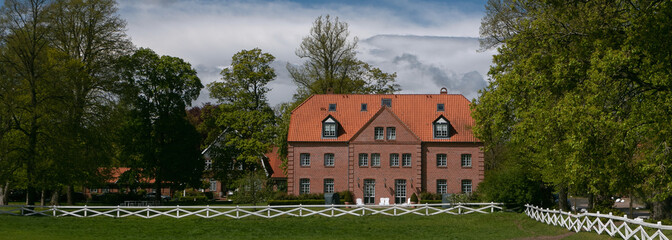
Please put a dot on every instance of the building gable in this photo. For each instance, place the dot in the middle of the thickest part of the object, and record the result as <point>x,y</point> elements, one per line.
<point>385,119</point>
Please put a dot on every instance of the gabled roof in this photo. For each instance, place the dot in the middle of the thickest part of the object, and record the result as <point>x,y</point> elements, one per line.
<point>416,111</point>
<point>274,163</point>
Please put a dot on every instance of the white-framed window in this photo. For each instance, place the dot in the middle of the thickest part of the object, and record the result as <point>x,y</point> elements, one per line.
<point>304,186</point>
<point>441,186</point>
<point>441,160</point>
<point>386,102</point>
<point>375,159</point>
<point>106,190</point>
<point>305,159</point>
<point>363,160</point>
<point>391,133</point>
<point>378,133</point>
<point>94,190</point>
<point>329,128</point>
<point>466,186</point>
<point>328,185</point>
<point>400,191</point>
<point>441,128</point>
<point>328,159</point>
<point>394,160</point>
<point>208,164</point>
<point>466,160</point>
<point>406,160</point>
<point>213,185</point>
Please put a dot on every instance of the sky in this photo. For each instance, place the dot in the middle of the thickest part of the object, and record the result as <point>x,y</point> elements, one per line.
<point>429,44</point>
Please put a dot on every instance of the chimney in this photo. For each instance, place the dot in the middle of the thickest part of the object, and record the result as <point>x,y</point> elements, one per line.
<point>444,90</point>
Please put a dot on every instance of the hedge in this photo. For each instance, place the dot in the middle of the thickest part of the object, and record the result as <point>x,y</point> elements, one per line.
<point>296,202</point>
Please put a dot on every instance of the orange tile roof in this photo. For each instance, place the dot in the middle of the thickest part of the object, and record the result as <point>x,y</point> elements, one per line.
<point>417,111</point>
<point>275,161</point>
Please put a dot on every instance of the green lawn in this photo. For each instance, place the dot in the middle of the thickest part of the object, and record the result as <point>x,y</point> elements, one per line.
<point>472,226</point>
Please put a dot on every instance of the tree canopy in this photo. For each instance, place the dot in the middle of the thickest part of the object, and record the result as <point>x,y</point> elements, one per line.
<point>574,85</point>
<point>246,122</point>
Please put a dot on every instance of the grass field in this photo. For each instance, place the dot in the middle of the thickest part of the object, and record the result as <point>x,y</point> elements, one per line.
<point>472,226</point>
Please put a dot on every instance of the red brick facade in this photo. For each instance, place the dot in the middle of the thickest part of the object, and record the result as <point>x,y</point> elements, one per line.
<point>354,144</point>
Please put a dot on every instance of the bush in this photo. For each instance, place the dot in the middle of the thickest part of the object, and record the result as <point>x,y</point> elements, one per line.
<point>346,196</point>
<point>296,202</point>
<point>414,198</point>
<point>430,201</point>
<point>430,196</point>
<point>285,196</point>
<point>201,198</point>
<point>515,187</point>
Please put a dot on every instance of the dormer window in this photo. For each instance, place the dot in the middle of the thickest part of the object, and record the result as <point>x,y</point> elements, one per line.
<point>332,107</point>
<point>386,102</point>
<point>329,127</point>
<point>441,128</point>
<point>440,107</point>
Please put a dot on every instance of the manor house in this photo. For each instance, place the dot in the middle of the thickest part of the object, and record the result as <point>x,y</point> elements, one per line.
<point>383,148</point>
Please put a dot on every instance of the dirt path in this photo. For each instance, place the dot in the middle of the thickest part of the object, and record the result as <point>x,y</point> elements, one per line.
<point>556,237</point>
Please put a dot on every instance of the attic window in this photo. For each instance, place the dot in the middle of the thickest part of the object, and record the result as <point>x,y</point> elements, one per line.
<point>386,102</point>
<point>329,128</point>
<point>441,128</point>
<point>332,107</point>
<point>440,107</point>
<point>364,107</point>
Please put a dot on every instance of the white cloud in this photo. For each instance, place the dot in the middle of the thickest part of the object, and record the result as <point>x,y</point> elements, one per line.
<point>208,33</point>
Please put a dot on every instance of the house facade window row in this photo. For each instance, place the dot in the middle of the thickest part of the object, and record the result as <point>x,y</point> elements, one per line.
<point>442,160</point>
<point>379,133</point>
<point>363,160</point>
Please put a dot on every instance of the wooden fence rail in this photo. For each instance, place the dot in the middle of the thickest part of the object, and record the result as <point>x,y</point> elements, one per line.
<point>238,212</point>
<point>615,226</point>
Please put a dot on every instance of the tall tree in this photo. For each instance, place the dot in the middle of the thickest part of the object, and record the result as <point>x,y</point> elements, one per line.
<point>28,63</point>
<point>332,64</point>
<point>573,77</point>
<point>92,35</point>
<point>157,138</point>
<point>243,114</point>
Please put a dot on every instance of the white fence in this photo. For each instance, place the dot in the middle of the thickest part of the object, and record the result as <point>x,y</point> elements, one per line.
<point>615,226</point>
<point>238,212</point>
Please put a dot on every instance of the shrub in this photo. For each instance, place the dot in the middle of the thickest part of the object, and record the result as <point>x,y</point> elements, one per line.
<point>430,201</point>
<point>296,202</point>
<point>414,198</point>
<point>346,196</point>
<point>515,187</point>
<point>430,196</point>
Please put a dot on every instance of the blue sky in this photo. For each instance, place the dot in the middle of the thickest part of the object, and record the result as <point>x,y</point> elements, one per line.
<point>429,44</point>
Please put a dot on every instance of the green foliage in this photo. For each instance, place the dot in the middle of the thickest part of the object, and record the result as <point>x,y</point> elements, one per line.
<point>430,196</point>
<point>414,198</point>
<point>515,187</point>
<point>245,123</point>
<point>332,64</point>
<point>156,137</point>
<point>579,94</point>
<point>296,202</point>
<point>346,196</point>
<point>252,188</point>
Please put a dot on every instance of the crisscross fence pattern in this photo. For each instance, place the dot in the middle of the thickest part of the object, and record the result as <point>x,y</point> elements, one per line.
<point>614,226</point>
<point>238,212</point>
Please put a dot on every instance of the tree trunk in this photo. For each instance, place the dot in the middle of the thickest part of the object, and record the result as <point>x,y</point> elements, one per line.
<point>661,210</point>
<point>54,197</point>
<point>68,193</point>
<point>30,196</point>
<point>42,197</point>
<point>591,202</point>
<point>562,198</point>
<point>4,193</point>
